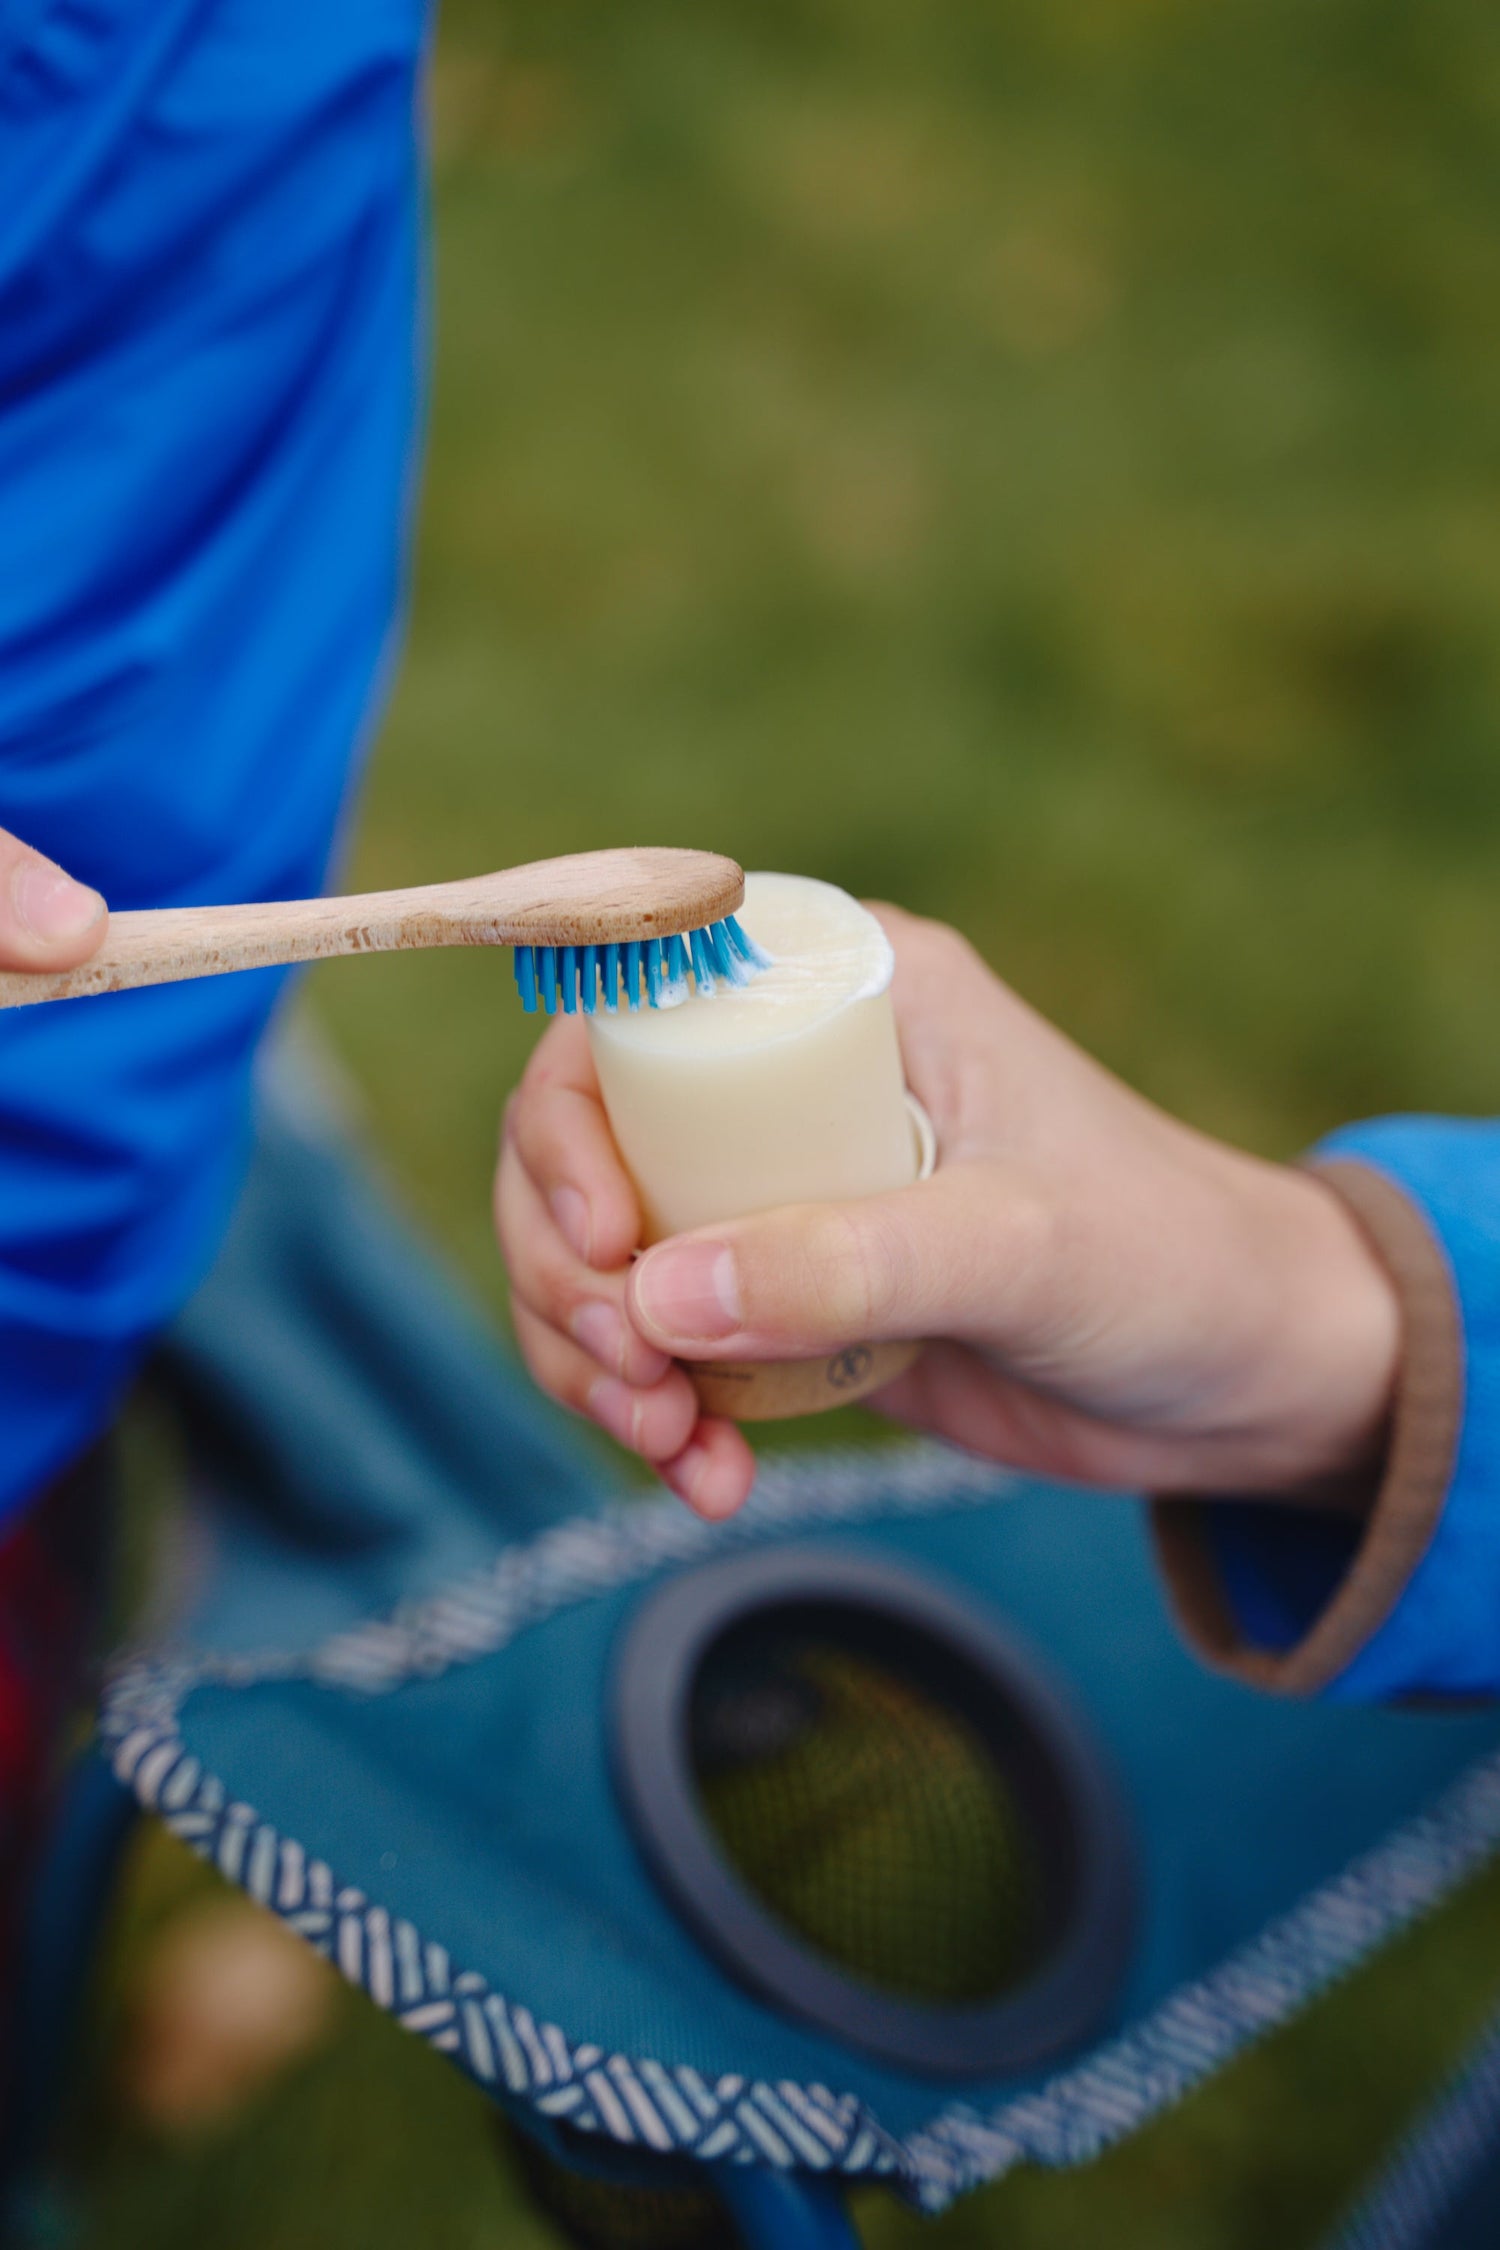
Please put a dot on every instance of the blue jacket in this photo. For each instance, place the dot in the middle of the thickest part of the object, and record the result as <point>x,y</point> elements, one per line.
<point>208,391</point>
<point>1405,1601</point>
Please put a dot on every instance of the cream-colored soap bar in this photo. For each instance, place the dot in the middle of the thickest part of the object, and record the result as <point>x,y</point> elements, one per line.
<point>788,1089</point>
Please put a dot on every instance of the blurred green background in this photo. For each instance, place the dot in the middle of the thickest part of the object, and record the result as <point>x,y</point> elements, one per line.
<point>1035,462</point>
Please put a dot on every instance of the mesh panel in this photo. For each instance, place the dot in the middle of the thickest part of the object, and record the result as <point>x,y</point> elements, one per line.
<point>598,2215</point>
<point>867,1816</point>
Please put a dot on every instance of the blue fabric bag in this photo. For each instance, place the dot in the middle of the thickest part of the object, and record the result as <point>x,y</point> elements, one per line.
<point>386,1716</point>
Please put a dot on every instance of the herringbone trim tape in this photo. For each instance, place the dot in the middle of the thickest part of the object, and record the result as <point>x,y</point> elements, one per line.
<point>648,2102</point>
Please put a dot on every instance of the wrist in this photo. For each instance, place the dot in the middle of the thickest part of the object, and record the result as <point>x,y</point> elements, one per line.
<point>1331,1315</point>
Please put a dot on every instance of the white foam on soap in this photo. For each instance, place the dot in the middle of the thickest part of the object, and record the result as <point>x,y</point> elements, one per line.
<point>826,950</point>
<point>786,1089</point>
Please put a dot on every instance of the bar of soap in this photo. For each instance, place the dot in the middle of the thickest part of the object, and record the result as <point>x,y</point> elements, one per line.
<point>788,1089</point>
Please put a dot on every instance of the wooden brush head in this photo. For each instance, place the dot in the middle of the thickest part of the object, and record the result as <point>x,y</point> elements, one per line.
<point>612,897</point>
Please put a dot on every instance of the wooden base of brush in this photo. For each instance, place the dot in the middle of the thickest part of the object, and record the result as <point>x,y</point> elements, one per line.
<point>777,1390</point>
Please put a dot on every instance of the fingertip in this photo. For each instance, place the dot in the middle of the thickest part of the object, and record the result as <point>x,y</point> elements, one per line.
<point>615,1223</point>
<point>655,1421</point>
<point>616,1408</point>
<point>599,1223</point>
<point>47,920</point>
<point>715,1473</point>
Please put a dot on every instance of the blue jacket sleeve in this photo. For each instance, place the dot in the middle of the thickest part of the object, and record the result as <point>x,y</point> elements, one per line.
<point>208,388</point>
<point>1408,1602</point>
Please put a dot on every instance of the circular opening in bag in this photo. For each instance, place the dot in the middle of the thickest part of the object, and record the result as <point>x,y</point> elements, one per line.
<point>874,1809</point>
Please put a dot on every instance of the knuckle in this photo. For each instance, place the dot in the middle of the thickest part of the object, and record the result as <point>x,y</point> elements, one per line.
<point>558,1051</point>
<point>544,1283</point>
<point>850,1263</point>
<point>1025,1256</point>
<point>551,1132</point>
<point>515,1230</point>
<point>545,1070</point>
<point>933,961</point>
<point>949,950</point>
<point>550,1361</point>
<point>518,1137</point>
<point>541,1277</point>
<point>508,1171</point>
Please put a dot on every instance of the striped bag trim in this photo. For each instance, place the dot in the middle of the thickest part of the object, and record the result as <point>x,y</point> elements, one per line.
<point>645,2103</point>
<point>625,1542</point>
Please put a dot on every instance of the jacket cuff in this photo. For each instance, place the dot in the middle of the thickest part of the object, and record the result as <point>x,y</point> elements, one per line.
<point>1288,1598</point>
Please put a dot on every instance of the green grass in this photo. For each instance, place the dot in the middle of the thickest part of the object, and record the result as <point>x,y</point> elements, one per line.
<point>1035,462</point>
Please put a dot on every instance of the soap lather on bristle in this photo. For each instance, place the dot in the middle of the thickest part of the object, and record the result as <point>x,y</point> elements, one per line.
<point>650,972</point>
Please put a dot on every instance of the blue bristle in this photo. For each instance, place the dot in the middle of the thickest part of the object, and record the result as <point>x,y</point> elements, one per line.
<point>753,955</point>
<point>652,972</point>
<point>731,961</point>
<point>725,964</point>
<point>674,971</point>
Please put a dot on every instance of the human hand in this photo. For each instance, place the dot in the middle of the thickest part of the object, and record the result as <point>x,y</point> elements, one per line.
<point>47,921</point>
<point>1105,1294</point>
<point>569,1224</point>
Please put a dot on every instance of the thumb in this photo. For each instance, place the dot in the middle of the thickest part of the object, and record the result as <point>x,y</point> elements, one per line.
<point>47,921</point>
<point>939,1259</point>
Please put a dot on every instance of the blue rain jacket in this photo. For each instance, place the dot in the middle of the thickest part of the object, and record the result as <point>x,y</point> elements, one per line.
<point>208,390</point>
<point>1435,1630</point>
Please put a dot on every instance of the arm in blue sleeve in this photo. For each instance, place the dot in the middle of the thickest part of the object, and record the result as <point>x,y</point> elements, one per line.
<point>1406,1601</point>
<point>208,393</point>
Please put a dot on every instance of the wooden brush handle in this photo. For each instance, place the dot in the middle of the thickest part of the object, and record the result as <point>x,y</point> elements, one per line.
<point>588,898</point>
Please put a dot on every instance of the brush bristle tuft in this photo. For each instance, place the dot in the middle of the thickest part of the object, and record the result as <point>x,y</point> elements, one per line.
<point>648,972</point>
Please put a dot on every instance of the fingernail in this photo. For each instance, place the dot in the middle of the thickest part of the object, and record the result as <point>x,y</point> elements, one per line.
<point>690,1291</point>
<point>615,1407</point>
<point>50,904</point>
<point>571,1211</point>
<point>601,1331</point>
